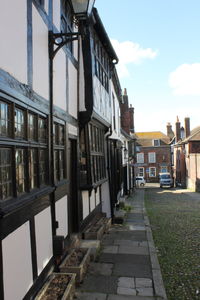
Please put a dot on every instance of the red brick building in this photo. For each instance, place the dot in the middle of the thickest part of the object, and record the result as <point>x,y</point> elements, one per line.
<point>187,157</point>
<point>153,155</point>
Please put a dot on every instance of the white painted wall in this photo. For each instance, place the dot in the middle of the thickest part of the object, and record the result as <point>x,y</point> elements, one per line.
<point>59,80</point>
<point>92,201</point>
<point>98,196</point>
<point>62,216</point>
<point>17,264</point>
<point>40,56</point>
<point>72,90</point>
<point>56,13</point>
<point>85,201</point>
<point>105,199</point>
<point>13,37</point>
<point>72,130</point>
<point>43,234</point>
<point>46,6</point>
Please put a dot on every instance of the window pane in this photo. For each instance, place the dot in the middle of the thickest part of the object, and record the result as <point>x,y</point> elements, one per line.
<point>19,123</point>
<point>32,126</point>
<point>56,165</point>
<point>42,130</point>
<point>43,166</point>
<point>20,170</point>
<point>5,173</point>
<point>4,119</point>
<point>61,162</point>
<point>61,135</point>
<point>32,168</point>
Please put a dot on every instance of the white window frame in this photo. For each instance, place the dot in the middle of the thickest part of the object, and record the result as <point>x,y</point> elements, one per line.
<point>156,140</point>
<point>161,169</point>
<point>139,171</point>
<point>151,157</point>
<point>140,158</point>
<point>150,173</point>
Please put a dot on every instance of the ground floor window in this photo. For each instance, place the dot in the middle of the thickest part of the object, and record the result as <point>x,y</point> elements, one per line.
<point>152,172</point>
<point>141,172</point>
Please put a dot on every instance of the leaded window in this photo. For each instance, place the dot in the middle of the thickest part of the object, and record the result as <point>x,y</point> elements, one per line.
<point>19,123</point>
<point>101,63</point>
<point>5,119</point>
<point>42,130</point>
<point>33,168</point>
<point>43,160</point>
<point>32,126</point>
<point>20,171</point>
<point>5,173</point>
<point>59,158</point>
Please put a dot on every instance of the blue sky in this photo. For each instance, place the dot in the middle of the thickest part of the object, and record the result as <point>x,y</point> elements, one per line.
<point>158,44</point>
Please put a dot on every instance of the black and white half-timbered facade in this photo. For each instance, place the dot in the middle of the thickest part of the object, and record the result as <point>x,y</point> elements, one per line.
<point>38,142</point>
<point>60,139</point>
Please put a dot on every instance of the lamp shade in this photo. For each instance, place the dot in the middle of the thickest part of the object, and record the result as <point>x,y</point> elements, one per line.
<point>82,8</point>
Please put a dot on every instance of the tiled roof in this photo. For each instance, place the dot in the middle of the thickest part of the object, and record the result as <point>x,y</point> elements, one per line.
<point>194,136</point>
<point>145,139</point>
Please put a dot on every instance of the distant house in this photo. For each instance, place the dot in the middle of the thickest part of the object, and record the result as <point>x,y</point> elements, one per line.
<point>187,156</point>
<point>153,155</point>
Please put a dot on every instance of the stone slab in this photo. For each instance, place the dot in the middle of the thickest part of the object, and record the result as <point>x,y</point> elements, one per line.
<point>132,270</point>
<point>110,249</point>
<point>145,291</point>
<point>127,282</point>
<point>125,258</point>
<point>126,235</point>
<point>133,250</point>
<point>99,284</point>
<point>125,297</point>
<point>143,282</point>
<point>126,291</point>
<point>90,296</point>
<point>100,269</point>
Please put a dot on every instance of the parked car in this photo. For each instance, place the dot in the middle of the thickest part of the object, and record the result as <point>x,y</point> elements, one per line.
<point>166,180</point>
<point>140,181</point>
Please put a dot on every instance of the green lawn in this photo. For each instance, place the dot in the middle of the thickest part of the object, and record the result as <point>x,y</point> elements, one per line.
<point>175,221</point>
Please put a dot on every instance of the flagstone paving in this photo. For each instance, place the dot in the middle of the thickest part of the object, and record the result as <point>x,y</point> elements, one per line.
<point>127,263</point>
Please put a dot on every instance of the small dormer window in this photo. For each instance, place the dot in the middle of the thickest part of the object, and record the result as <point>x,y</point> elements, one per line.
<point>156,143</point>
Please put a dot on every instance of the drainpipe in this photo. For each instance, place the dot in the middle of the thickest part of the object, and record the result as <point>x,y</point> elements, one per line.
<point>107,135</point>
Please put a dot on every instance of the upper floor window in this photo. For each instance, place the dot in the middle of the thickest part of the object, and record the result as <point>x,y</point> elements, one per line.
<point>59,157</point>
<point>19,123</point>
<point>140,158</point>
<point>156,143</point>
<point>5,173</point>
<point>152,157</point>
<point>24,165</point>
<point>67,22</point>
<point>101,63</point>
<point>5,116</point>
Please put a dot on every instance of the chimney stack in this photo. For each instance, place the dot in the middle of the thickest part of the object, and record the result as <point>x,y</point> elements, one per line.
<point>170,132</point>
<point>178,130</point>
<point>131,113</point>
<point>187,127</point>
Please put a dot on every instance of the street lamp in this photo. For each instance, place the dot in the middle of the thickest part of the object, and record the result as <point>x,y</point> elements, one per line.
<point>82,8</point>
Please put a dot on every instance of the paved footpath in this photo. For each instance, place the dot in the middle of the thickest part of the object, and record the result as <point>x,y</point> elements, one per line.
<point>127,267</point>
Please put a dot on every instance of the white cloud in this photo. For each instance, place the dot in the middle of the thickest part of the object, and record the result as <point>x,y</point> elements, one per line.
<point>131,53</point>
<point>185,80</point>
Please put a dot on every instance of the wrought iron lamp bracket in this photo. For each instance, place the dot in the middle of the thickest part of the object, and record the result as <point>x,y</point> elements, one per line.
<point>58,40</point>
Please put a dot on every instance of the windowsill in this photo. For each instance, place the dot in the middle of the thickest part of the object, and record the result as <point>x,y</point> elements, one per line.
<point>89,187</point>
<point>10,205</point>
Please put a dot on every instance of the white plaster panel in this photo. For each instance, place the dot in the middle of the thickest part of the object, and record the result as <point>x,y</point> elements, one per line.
<point>17,264</point>
<point>56,13</point>
<point>81,82</point>
<point>92,201</point>
<point>43,234</point>
<point>46,6</point>
<point>40,56</point>
<point>85,199</point>
<point>72,90</point>
<point>13,37</point>
<point>59,80</point>
<point>72,129</point>
<point>98,196</point>
<point>62,216</point>
<point>105,199</point>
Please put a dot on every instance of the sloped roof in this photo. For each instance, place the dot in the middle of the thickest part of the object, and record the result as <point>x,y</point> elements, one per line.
<point>194,136</point>
<point>145,138</point>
